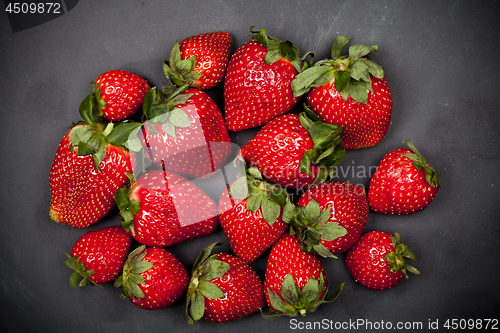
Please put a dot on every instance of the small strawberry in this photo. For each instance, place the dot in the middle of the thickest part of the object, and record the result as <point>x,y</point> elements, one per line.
<point>90,164</point>
<point>331,217</point>
<point>250,214</point>
<point>295,281</point>
<point>350,91</point>
<point>377,260</point>
<point>403,183</point>
<point>257,82</point>
<point>295,151</point>
<point>199,61</point>
<point>118,94</point>
<point>163,208</point>
<point>98,256</point>
<point>223,288</point>
<point>185,132</point>
<point>152,278</point>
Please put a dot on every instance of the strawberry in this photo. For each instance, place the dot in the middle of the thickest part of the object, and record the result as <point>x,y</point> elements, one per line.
<point>222,288</point>
<point>377,260</point>
<point>331,217</point>
<point>163,208</point>
<point>257,83</point>
<point>295,151</point>
<point>91,163</point>
<point>199,61</point>
<point>152,278</point>
<point>295,281</point>
<point>98,256</point>
<point>403,183</point>
<point>185,132</point>
<point>118,94</point>
<point>350,91</point>
<point>250,214</point>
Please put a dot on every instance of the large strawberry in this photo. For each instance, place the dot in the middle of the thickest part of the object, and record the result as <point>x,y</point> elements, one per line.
<point>377,260</point>
<point>163,208</point>
<point>250,214</point>
<point>257,82</point>
<point>152,278</point>
<point>199,60</point>
<point>223,288</point>
<point>331,217</point>
<point>98,256</point>
<point>350,91</point>
<point>403,183</point>
<point>118,94</point>
<point>295,281</point>
<point>90,164</point>
<point>185,132</point>
<point>295,151</point>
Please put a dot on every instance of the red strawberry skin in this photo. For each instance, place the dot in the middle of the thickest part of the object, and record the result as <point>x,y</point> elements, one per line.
<point>365,125</point>
<point>243,290</point>
<point>287,257</point>
<point>248,233</point>
<point>172,209</point>
<point>255,92</point>
<point>397,187</point>
<point>198,150</point>
<point>365,261</point>
<point>103,251</point>
<point>123,93</point>
<point>277,149</point>
<point>164,283</point>
<point>212,55</point>
<point>80,194</point>
<point>349,208</point>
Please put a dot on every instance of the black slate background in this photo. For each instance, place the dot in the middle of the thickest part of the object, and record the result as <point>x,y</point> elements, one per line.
<point>441,61</point>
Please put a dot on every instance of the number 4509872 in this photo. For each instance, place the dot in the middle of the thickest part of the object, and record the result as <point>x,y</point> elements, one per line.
<point>32,8</point>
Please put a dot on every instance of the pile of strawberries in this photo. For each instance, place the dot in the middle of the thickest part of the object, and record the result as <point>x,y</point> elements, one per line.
<point>139,148</point>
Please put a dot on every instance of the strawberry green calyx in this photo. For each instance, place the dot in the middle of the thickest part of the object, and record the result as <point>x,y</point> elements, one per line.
<point>278,49</point>
<point>207,267</point>
<point>294,301</point>
<point>310,225</point>
<point>431,176</point>
<point>131,277</point>
<point>351,72</point>
<point>127,206</point>
<point>178,71</point>
<point>79,272</point>
<point>328,150</point>
<point>259,193</point>
<point>396,259</point>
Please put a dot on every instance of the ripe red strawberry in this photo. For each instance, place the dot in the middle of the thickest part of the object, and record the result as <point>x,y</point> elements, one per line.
<point>295,151</point>
<point>199,61</point>
<point>403,183</point>
<point>350,91</point>
<point>333,217</point>
<point>162,208</point>
<point>98,256</point>
<point>152,278</point>
<point>118,94</point>
<point>250,215</point>
<point>90,164</point>
<point>257,83</point>
<point>295,281</point>
<point>185,132</point>
<point>223,288</point>
<point>377,260</point>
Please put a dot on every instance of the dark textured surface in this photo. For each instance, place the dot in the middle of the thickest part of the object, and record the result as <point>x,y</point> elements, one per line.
<point>440,58</point>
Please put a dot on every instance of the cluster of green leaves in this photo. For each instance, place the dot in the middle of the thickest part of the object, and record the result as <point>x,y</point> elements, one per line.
<point>131,278</point>
<point>127,206</point>
<point>431,175</point>
<point>396,260</point>
<point>351,72</point>
<point>178,71</point>
<point>206,268</point>
<point>79,272</point>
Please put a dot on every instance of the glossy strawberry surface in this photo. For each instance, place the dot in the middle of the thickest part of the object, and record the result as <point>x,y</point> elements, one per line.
<point>80,194</point>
